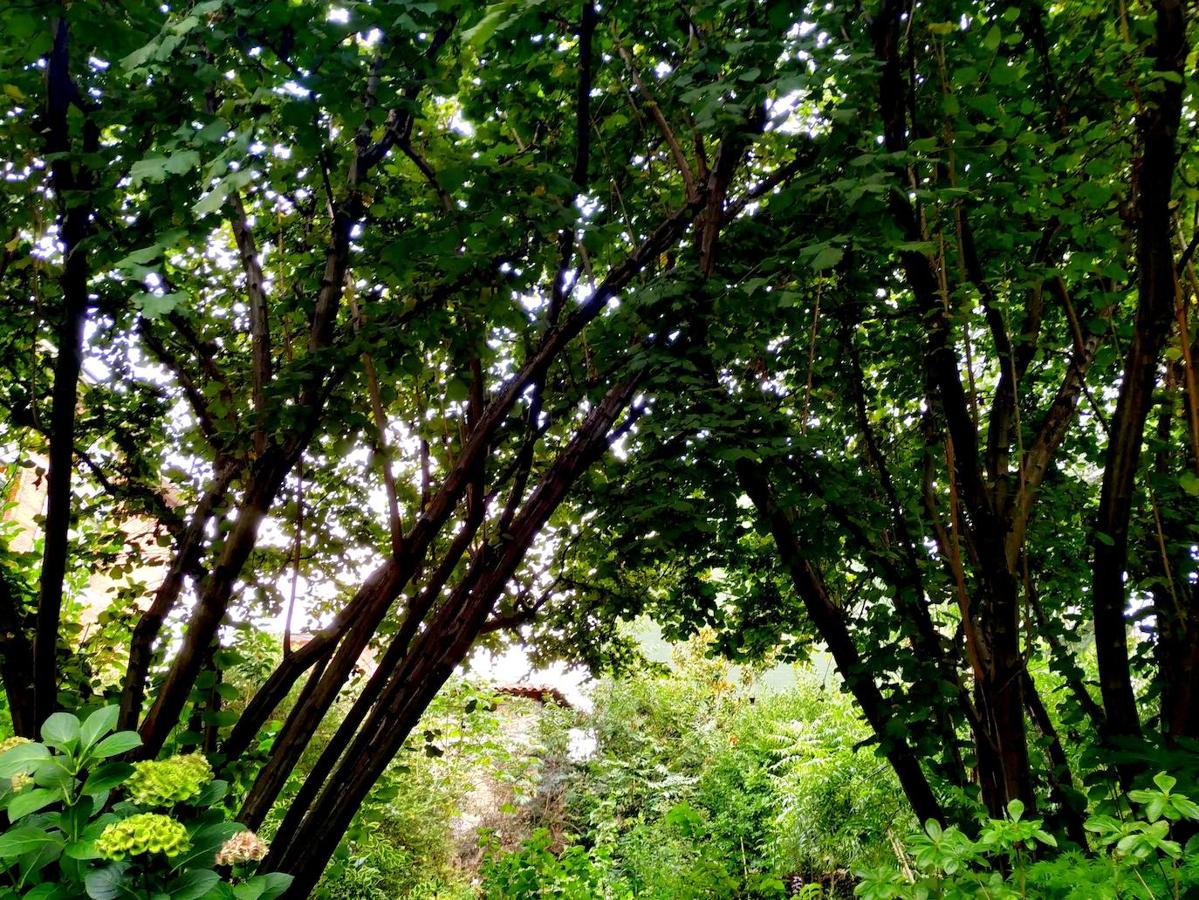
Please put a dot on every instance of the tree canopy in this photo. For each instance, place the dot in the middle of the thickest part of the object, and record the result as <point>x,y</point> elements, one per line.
<point>866,327</point>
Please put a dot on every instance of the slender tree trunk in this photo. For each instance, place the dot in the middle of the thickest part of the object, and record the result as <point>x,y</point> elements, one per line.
<point>188,552</point>
<point>1068,815</point>
<point>438,651</point>
<point>832,628</point>
<point>75,226</point>
<point>16,660</point>
<point>291,743</point>
<point>1155,312</point>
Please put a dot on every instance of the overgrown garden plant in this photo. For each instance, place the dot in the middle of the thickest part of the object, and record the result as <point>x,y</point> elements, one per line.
<point>86,824</point>
<point>946,425</point>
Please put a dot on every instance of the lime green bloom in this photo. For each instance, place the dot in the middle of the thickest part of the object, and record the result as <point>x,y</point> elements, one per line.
<point>168,781</point>
<point>140,834</point>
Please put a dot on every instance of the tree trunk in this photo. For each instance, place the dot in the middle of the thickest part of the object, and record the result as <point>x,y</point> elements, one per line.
<point>75,226</point>
<point>831,626</point>
<point>1155,312</point>
<point>437,652</point>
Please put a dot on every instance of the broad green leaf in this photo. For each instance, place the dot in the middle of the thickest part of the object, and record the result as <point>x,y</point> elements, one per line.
<point>81,850</point>
<point>25,839</point>
<point>117,744</point>
<point>194,884</point>
<point>98,724</point>
<point>106,777</point>
<point>31,801</point>
<point>106,883</point>
<point>61,730</point>
<point>54,773</point>
<point>827,258</point>
<point>21,759</point>
<point>263,887</point>
<point>482,32</point>
<point>155,306</point>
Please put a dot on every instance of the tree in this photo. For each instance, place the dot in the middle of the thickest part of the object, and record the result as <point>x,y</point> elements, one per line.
<point>929,375</point>
<point>347,282</point>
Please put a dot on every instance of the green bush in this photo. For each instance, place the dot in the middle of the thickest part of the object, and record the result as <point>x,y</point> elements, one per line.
<point>779,783</point>
<point>535,872</point>
<point>71,837</point>
<point>1131,856</point>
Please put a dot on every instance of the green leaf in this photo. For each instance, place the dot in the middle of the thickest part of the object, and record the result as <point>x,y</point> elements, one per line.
<point>61,730</point>
<point>153,168</point>
<point>106,883</point>
<point>827,258</point>
<point>211,794</point>
<point>117,744</point>
<point>22,759</point>
<point>1186,807</point>
<point>992,38</point>
<point>263,887</point>
<point>205,843</point>
<point>155,306</point>
<point>25,839</point>
<point>106,777</point>
<point>81,850</point>
<point>139,257</point>
<point>97,724</point>
<point>482,31</point>
<point>54,773</point>
<point>1003,74</point>
<point>1165,783</point>
<point>31,801</point>
<point>1190,483</point>
<point>194,884</point>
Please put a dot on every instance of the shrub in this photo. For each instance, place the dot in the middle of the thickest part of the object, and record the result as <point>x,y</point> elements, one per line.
<point>161,840</point>
<point>1133,856</point>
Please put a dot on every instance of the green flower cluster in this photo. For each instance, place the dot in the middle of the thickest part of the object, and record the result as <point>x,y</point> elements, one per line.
<point>168,781</point>
<point>142,833</point>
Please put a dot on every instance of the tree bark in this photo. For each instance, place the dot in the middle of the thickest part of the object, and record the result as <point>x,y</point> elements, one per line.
<point>188,552</point>
<point>16,659</point>
<point>1155,310</point>
<point>75,227</point>
<point>440,648</point>
<point>830,624</point>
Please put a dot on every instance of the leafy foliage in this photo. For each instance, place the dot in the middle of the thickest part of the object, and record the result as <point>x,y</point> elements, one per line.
<point>1130,856</point>
<point>68,839</point>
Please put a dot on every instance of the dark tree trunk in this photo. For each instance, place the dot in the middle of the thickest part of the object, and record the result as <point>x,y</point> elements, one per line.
<point>1069,813</point>
<point>75,226</point>
<point>185,562</point>
<point>833,630</point>
<point>1155,310</point>
<point>16,659</point>
<point>434,656</point>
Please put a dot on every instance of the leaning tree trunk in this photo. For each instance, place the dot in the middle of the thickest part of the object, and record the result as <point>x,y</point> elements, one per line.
<point>305,851</point>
